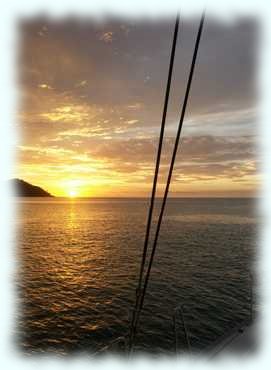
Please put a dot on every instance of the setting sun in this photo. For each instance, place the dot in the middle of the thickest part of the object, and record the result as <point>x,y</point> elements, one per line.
<point>73,193</point>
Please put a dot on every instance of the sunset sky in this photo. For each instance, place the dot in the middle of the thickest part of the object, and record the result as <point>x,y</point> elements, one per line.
<point>92,98</point>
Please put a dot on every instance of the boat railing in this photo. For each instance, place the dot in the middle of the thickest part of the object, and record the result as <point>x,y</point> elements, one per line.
<point>120,344</point>
<point>179,312</point>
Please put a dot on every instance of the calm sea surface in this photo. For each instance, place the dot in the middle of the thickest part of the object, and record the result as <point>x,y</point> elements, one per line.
<point>79,262</point>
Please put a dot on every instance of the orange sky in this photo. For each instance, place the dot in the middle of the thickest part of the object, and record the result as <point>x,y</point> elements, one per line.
<point>91,103</point>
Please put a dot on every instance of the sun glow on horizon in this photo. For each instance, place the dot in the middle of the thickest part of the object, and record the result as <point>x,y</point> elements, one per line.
<point>73,193</point>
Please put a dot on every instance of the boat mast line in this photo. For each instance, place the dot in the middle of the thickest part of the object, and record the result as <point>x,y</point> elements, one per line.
<point>142,296</point>
<point>157,166</point>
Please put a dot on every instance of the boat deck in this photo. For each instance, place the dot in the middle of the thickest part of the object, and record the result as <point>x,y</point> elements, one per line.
<point>241,341</point>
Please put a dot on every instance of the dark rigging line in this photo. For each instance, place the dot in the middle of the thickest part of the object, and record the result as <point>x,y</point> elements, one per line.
<point>170,169</point>
<point>158,157</point>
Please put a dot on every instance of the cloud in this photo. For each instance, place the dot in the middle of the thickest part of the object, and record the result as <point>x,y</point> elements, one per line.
<point>135,106</point>
<point>202,160</point>
<point>132,121</point>
<point>83,132</point>
<point>85,105</point>
<point>45,86</point>
<point>81,83</point>
<point>107,37</point>
<point>67,113</point>
<point>200,149</point>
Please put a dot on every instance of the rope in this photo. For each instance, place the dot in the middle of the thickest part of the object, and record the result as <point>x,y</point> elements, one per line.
<point>142,296</point>
<point>158,157</point>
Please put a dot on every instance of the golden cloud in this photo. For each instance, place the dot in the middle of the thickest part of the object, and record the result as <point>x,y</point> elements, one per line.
<point>69,113</point>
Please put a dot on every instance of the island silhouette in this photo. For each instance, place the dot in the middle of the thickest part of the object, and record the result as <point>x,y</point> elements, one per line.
<point>22,188</point>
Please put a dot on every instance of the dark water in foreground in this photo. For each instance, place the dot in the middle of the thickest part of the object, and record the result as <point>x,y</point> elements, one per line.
<point>79,262</point>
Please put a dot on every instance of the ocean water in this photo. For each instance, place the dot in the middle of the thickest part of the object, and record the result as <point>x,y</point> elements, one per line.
<point>78,264</point>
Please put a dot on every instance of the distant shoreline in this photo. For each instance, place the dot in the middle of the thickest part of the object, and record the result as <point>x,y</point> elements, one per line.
<point>22,188</point>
